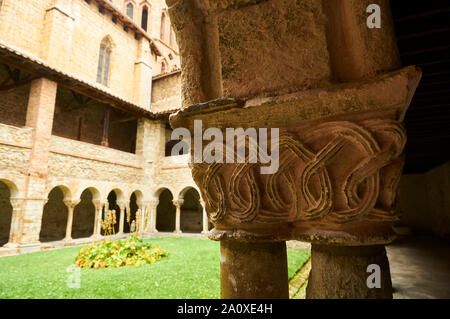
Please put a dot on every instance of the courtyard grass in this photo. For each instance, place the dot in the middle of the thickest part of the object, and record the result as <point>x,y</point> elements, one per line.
<point>190,271</point>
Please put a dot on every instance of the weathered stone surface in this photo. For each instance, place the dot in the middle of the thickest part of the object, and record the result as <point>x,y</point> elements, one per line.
<point>339,272</point>
<point>335,91</point>
<point>253,270</point>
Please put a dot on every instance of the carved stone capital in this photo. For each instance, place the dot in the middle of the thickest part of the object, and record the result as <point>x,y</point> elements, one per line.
<point>153,203</point>
<point>98,204</point>
<point>337,175</point>
<point>71,203</point>
<point>178,202</point>
<point>17,203</point>
<point>122,204</point>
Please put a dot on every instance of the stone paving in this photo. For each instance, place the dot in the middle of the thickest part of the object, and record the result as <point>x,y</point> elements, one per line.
<point>420,267</point>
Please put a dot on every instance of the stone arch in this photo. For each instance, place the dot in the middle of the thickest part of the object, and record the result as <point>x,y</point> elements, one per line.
<point>183,192</point>
<point>115,197</point>
<point>8,190</point>
<point>191,217</point>
<point>84,214</point>
<point>54,216</point>
<point>96,194</point>
<point>165,211</point>
<point>136,199</point>
<point>159,190</point>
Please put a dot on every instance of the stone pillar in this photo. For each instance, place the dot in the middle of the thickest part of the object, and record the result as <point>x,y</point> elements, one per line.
<point>14,234</point>
<point>142,211</point>
<point>122,205</point>
<point>40,111</point>
<point>57,34</point>
<point>332,122</point>
<point>343,271</point>
<point>150,139</point>
<point>70,207</point>
<point>205,221</point>
<point>98,216</point>
<point>143,75</point>
<point>251,270</point>
<point>178,203</point>
<point>153,205</point>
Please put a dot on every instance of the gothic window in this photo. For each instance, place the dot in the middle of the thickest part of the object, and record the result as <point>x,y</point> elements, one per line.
<point>104,59</point>
<point>130,10</point>
<point>163,27</point>
<point>144,20</point>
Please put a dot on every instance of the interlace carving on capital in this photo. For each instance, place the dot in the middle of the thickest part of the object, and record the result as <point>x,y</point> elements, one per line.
<point>336,172</point>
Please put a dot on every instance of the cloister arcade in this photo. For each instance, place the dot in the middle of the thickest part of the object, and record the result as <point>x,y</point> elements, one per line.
<point>70,215</point>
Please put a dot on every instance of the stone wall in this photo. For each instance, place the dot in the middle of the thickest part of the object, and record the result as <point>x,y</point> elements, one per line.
<point>174,173</point>
<point>166,93</point>
<point>75,159</point>
<point>13,105</point>
<point>15,148</point>
<point>425,201</point>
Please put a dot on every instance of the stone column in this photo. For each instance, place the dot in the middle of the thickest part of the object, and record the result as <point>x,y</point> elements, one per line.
<point>253,270</point>
<point>326,130</point>
<point>343,271</point>
<point>205,221</point>
<point>57,34</point>
<point>14,234</point>
<point>70,207</point>
<point>122,205</point>
<point>40,112</point>
<point>178,203</point>
<point>153,205</point>
<point>142,212</point>
<point>98,216</point>
<point>150,139</point>
<point>143,75</point>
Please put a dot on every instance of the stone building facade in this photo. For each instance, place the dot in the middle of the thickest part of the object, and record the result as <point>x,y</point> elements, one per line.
<point>78,132</point>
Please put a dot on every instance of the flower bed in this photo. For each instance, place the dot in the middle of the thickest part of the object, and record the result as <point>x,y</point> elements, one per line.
<point>117,253</point>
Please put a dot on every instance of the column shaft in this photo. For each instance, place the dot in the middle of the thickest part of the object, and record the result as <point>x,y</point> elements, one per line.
<point>342,272</point>
<point>178,204</point>
<point>121,218</point>
<point>253,270</point>
<point>204,219</point>
<point>69,224</point>
<point>98,216</point>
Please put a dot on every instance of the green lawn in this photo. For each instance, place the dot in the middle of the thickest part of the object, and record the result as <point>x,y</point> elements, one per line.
<point>190,271</point>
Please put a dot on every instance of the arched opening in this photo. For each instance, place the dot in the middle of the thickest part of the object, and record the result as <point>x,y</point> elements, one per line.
<point>130,10</point>
<point>104,59</point>
<point>113,205</point>
<point>144,18</point>
<point>170,145</point>
<point>6,211</point>
<point>162,31</point>
<point>191,219</point>
<point>165,212</point>
<point>84,216</point>
<point>131,215</point>
<point>54,217</point>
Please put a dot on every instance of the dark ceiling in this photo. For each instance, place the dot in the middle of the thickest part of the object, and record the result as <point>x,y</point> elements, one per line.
<point>423,34</point>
